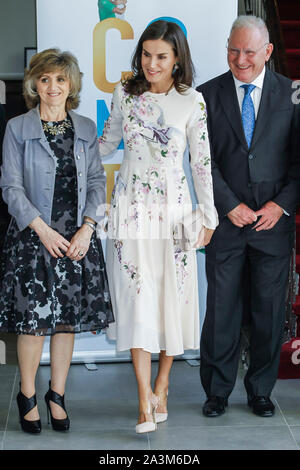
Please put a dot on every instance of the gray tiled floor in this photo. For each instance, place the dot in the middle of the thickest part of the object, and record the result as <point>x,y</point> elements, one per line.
<point>102,405</point>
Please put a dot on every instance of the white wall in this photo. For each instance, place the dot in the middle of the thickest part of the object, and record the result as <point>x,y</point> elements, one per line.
<point>17,30</point>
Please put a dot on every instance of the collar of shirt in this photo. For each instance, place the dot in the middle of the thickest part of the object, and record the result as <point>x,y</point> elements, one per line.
<point>256,94</point>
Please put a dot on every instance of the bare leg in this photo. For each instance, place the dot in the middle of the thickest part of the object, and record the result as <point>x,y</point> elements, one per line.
<point>142,366</point>
<point>162,380</point>
<point>29,350</point>
<point>61,350</point>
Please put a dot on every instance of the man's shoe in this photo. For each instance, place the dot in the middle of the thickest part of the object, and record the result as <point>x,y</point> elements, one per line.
<point>214,406</point>
<point>261,406</point>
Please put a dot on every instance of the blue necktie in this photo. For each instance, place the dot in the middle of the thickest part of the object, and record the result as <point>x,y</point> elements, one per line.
<point>248,113</point>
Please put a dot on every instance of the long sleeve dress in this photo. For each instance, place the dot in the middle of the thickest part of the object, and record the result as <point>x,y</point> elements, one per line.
<point>153,282</point>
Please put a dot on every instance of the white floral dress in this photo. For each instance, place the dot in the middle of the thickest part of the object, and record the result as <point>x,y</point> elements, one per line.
<point>153,283</point>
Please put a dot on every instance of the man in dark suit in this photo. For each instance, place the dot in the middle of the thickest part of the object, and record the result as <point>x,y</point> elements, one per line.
<point>255,144</point>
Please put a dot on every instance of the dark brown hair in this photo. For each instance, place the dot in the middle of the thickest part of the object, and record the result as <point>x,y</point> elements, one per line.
<point>172,34</point>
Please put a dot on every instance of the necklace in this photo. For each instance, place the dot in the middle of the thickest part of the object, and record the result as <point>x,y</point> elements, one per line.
<point>56,128</point>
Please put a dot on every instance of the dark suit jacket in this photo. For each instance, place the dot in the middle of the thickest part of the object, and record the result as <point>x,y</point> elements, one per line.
<point>4,216</point>
<point>270,169</point>
<point>2,128</point>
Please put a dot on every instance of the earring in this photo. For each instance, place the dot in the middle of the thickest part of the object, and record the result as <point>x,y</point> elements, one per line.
<point>175,68</point>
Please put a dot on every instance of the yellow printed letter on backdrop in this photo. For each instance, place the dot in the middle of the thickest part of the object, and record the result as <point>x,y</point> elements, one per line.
<point>110,169</point>
<point>99,39</point>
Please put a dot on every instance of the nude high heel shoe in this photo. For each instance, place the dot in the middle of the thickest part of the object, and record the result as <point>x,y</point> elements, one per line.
<point>149,426</point>
<point>161,417</point>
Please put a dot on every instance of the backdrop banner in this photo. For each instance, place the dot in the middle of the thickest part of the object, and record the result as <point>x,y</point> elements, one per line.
<point>103,36</point>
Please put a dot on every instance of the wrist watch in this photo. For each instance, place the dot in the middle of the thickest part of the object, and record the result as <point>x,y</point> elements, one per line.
<point>93,226</point>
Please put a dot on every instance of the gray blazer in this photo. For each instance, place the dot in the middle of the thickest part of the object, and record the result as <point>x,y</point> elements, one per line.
<point>28,170</point>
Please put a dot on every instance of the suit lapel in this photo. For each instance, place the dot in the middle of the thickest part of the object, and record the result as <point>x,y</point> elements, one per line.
<point>267,102</point>
<point>229,100</point>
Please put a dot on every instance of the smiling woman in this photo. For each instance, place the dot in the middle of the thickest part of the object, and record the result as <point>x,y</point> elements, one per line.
<point>47,63</point>
<point>152,276</point>
<point>53,274</point>
<point>53,90</point>
<point>161,55</point>
<point>158,62</point>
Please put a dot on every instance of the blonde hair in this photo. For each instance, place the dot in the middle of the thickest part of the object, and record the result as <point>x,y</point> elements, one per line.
<point>51,60</point>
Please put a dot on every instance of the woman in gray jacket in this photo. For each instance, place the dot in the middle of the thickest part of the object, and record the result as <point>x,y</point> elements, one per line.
<point>53,278</point>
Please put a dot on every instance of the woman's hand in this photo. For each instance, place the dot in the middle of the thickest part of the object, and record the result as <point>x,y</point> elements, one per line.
<point>119,9</point>
<point>119,2</point>
<point>52,240</point>
<point>204,237</point>
<point>208,233</point>
<point>80,243</point>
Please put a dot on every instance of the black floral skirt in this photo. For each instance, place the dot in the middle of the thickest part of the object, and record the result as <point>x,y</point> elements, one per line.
<point>41,295</point>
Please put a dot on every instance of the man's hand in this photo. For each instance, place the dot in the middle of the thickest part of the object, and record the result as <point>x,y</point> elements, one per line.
<point>242,215</point>
<point>270,214</point>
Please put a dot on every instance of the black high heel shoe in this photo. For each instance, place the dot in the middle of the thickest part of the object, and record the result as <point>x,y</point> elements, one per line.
<point>25,405</point>
<point>57,424</point>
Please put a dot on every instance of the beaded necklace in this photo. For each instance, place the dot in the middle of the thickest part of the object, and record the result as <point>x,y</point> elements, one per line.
<point>57,128</point>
